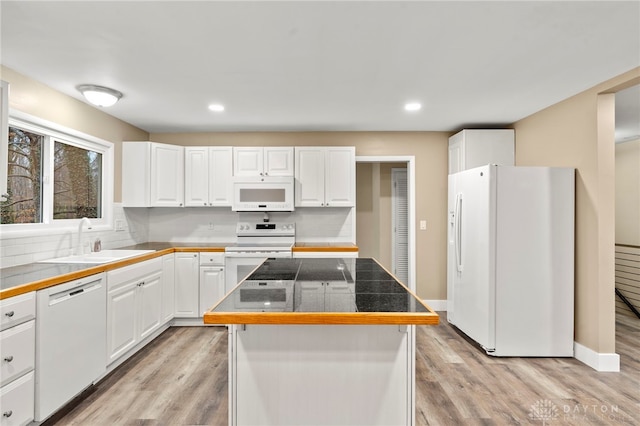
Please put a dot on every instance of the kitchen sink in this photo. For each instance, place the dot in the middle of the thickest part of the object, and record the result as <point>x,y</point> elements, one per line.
<point>104,256</point>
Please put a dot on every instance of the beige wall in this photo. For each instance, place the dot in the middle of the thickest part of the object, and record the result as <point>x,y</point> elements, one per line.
<point>628,193</point>
<point>430,151</point>
<point>34,98</point>
<point>578,132</point>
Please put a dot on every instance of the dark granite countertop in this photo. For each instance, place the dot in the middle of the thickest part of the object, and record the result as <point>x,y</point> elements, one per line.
<point>345,290</point>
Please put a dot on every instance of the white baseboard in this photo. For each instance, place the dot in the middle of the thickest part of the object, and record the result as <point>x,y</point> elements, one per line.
<point>597,361</point>
<point>436,305</point>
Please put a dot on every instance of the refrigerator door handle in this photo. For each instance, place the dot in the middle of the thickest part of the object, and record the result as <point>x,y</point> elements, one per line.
<point>458,233</point>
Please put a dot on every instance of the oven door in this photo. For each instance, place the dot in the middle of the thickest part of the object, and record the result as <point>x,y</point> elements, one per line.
<point>238,265</point>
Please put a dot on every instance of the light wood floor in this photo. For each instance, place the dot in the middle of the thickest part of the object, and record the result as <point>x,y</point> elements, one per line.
<point>181,379</point>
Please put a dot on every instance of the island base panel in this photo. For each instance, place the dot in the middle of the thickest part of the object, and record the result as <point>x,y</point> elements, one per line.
<point>312,374</point>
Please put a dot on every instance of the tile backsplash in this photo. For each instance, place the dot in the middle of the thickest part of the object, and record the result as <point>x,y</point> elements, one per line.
<point>201,225</point>
<point>21,250</point>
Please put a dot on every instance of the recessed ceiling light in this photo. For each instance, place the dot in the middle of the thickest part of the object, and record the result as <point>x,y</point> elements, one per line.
<point>412,106</point>
<point>216,107</point>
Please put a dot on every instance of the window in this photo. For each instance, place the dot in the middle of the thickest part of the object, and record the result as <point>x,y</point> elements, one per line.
<point>77,179</point>
<point>55,177</point>
<point>24,178</point>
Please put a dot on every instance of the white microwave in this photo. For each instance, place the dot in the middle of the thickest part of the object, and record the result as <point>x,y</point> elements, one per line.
<point>263,194</point>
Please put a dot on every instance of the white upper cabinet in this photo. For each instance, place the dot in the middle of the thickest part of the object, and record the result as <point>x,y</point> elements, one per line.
<point>472,148</point>
<point>152,175</point>
<point>208,172</point>
<point>325,176</point>
<point>263,161</point>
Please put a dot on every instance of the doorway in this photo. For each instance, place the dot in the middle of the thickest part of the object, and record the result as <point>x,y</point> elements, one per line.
<point>374,212</point>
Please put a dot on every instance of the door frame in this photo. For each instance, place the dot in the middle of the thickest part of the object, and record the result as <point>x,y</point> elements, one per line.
<point>410,160</point>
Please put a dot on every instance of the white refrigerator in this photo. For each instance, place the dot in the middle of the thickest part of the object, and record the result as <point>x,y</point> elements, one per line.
<point>510,259</point>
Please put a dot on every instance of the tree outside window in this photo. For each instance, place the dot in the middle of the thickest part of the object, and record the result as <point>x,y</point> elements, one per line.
<point>24,178</point>
<point>77,182</point>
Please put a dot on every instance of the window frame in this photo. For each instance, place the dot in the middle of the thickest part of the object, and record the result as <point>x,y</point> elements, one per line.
<point>54,132</point>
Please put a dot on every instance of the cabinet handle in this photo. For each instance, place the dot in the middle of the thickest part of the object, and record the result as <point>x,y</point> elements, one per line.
<point>205,204</point>
<point>8,358</point>
<point>10,314</point>
<point>7,413</point>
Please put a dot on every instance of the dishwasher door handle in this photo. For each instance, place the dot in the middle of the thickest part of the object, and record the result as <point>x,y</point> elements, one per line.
<point>74,292</point>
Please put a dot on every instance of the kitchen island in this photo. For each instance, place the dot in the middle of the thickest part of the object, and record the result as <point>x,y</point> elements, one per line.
<point>321,341</point>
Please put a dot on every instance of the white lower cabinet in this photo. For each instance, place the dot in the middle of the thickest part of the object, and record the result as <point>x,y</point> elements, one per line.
<point>17,401</point>
<point>168,287</point>
<point>187,267</point>
<point>211,287</point>
<point>134,305</point>
<point>17,353</point>
<point>211,280</point>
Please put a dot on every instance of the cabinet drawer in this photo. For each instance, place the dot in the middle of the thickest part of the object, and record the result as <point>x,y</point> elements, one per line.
<point>211,258</point>
<point>17,401</point>
<point>125,275</point>
<point>18,309</point>
<point>17,351</point>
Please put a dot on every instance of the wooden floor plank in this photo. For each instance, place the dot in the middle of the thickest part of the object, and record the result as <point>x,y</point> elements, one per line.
<point>181,379</point>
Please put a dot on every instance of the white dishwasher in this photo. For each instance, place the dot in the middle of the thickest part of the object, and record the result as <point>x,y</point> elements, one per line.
<point>71,340</point>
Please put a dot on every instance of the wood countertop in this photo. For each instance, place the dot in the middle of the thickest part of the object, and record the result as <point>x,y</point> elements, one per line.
<point>16,280</point>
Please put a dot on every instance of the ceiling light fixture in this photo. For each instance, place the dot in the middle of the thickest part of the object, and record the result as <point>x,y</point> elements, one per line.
<point>216,107</point>
<point>412,106</point>
<point>99,95</point>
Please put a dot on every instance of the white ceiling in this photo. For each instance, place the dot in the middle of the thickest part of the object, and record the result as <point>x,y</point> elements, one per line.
<point>324,65</point>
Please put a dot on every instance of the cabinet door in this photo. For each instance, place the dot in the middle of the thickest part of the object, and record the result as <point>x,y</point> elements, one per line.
<point>196,176</point>
<point>136,174</point>
<point>168,286</point>
<point>278,161</point>
<point>122,322</point>
<point>187,283</point>
<point>17,401</point>
<point>167,175</point>
<point>309,173</point>
<point>211,287</point>
<point>309,296</point>
<point>247,161</point>
<point>456,158</point>
<point>150,304</point>
<point>220,175</point>
<point>340,177</point>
